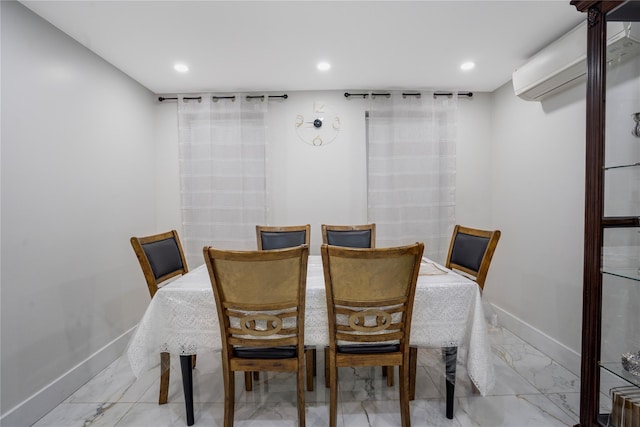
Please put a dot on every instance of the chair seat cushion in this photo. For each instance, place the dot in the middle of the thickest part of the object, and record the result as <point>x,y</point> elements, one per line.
<point>284,352</point>
<point>368,348</point>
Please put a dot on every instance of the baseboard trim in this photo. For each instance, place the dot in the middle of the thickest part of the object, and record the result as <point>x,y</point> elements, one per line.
<point>50,396</point>
<point>559,352</point>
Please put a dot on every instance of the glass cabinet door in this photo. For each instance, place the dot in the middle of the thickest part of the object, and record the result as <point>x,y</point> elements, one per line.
<point>619,399</point>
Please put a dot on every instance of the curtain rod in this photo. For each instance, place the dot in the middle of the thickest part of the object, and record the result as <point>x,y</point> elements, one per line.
<point>216,98</point>
<point>467,94</point>
<point>364,95</point>
<point>285,96</point>
<point>407,94</point>
<point>162,98</point>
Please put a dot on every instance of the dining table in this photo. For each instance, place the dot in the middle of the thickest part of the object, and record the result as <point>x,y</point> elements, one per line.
<point>182,319</point>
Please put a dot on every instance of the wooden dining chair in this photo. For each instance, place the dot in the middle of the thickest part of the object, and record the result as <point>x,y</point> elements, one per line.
<point>471,251</point>
<point>273,237</point>
<point>161,258</point>
<point>279,237</point>
<point>370,294</point>
<point>260,298</point>
<point>351,236</point>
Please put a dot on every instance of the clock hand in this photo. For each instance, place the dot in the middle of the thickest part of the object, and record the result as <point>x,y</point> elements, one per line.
<point>317,123</point>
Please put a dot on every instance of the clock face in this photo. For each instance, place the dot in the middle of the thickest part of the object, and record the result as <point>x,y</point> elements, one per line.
<point>319,126</point>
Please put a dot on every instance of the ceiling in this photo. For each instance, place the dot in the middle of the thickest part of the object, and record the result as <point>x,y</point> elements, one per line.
<point>275,45</point>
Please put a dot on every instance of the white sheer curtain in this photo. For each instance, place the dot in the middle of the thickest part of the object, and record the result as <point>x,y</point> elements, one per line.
<point>222,173</point>
<point>412,170</point>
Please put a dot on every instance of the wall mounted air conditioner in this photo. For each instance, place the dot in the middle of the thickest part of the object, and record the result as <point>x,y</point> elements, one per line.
<point>563,63</point>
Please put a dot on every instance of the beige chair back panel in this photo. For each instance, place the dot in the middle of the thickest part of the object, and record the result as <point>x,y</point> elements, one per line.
<point>378,279</point>
<point>258,283</point>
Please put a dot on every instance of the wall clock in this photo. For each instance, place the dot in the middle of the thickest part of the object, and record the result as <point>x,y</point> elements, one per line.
<point>320,126</point>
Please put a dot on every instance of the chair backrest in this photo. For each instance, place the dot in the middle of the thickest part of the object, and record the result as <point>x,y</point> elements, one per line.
<point>259,296</point>
<point>282,237</point>
<point>471,251</point>
<point>370,292</point>
<point>351,236</point>
<point>160,257</point>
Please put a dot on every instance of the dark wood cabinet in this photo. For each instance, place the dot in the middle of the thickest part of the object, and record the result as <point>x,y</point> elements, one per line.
<point>600,372</point>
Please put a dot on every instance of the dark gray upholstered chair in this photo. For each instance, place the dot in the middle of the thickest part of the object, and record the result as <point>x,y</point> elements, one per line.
<point>471,251</point>
<point>350,236</point>
<point>282,237</point>
<point>161,258</point>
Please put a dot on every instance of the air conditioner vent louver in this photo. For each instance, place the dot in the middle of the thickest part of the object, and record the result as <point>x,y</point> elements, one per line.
<point>563,63</point>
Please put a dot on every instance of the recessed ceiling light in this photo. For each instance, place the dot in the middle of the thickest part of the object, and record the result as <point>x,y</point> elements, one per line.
<point>324,66</point>
<point>181,68</point>
<point>466,66</point>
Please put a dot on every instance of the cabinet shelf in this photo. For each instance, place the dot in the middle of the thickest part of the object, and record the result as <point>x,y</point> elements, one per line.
<point>621,221</point>
<point>631,165</point>
<point>626,273</point>
<point>616,369</point>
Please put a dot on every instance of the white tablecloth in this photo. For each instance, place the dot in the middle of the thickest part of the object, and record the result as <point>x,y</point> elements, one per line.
<point>182,319</point>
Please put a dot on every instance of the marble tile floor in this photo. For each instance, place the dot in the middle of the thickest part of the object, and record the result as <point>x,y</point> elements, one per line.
<point>531,390</point>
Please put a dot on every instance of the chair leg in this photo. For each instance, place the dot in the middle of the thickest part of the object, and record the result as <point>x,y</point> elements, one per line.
<point>165,373</point>
<point>229,394</point>
<point>413,365</point>
<point>193,361</point>
<point>388,372</point>
<point>333,392</point>
<point>256,375</point>
<point>390,375</point>
<point>315,361</point>
<point>248,383</point>
<point>403,382</point>
<point>308,363</point>
<point>300,391</point>
<point>451,356</point>
<point>326,367</point>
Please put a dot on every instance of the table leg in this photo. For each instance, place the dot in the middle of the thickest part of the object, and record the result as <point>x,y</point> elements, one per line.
<point>451,358</point>
<point>187,386</point>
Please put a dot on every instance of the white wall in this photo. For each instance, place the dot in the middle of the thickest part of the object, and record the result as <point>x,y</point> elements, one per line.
<point>538,190</point>
<point>538,204</point>
<point>316,184</point>
<point>167,211</point>
<point>78,179</point>
<point>474,162</point>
